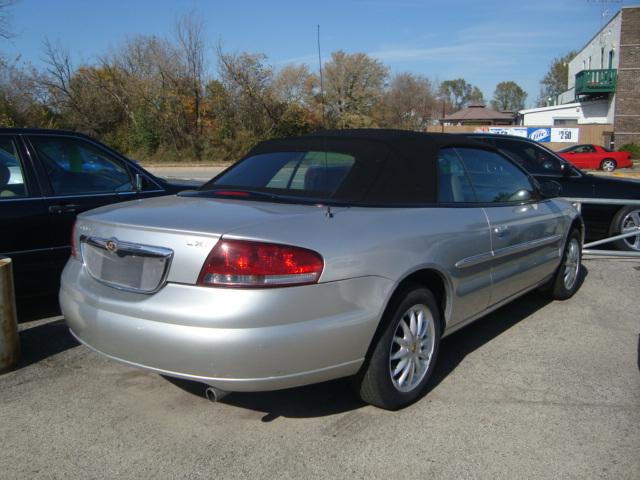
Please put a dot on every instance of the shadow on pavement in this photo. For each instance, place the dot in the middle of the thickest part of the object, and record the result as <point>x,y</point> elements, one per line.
<point>316,400</point>
<point>337,397</point>
<point>42,341</point>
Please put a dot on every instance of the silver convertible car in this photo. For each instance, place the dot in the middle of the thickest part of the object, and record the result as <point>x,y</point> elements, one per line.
<point>342,253</point>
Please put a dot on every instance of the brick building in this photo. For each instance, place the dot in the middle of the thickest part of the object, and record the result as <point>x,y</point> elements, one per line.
<point>627,102</point>
<point>603,83</point>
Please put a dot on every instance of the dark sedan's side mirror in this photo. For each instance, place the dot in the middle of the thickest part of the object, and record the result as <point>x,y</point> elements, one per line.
<point>567,170</point>
<point>550,189</point>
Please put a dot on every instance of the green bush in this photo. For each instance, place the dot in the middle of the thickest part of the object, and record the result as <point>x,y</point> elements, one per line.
<point>632,148</point>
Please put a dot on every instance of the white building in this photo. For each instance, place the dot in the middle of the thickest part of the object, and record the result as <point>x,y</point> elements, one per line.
<point>602,82</point>
<point>569,114</point>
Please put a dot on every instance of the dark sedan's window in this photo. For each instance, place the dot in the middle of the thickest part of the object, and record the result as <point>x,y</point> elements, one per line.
<point>297,171</point>
<point>74,166</point>
<point>12,181</point>
<point>532,158</point>
<point>494,179</point>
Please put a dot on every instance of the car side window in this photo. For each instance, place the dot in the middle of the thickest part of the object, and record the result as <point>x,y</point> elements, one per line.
<point>584,149</point>
<point>532,158</point>
<point>74,166</point>
<point>12,179</point>
<point>494,178</point>
<point>454,185</point>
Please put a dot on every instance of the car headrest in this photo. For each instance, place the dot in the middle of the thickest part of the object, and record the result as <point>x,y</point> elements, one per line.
<point>324,178</point>
<point>5,174</point>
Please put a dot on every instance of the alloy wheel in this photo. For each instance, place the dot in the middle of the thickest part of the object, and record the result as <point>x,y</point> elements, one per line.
<point>631,221</point>
<point>608,165</point>
<point>412,348</point>
<point>571,263</point>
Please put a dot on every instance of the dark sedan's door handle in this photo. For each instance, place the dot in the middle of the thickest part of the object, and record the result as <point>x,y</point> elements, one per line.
<point>66,208</point>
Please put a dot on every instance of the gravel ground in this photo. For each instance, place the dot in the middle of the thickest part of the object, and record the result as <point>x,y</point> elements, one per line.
<point>535,390</point>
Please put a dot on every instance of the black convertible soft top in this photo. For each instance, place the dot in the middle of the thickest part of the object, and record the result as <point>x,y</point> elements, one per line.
<point>392,166</point>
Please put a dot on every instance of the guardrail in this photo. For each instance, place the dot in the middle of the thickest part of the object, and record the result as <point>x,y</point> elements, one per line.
<point>587,248</point>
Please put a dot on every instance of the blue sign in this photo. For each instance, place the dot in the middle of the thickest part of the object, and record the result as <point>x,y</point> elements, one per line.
<point>539,134</point>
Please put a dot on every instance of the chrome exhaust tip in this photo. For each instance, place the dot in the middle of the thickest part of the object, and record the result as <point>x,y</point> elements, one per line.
<point>214,394</point>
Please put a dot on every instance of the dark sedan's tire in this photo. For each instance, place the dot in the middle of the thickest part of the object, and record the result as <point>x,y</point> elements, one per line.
<point>625,218</point>
<point>608,165</point>
<point>566,280</point>
<point>405,351</point>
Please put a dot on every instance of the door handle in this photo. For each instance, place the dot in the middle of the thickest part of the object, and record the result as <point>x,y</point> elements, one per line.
<point>501,231</point>
<point>66,208</point>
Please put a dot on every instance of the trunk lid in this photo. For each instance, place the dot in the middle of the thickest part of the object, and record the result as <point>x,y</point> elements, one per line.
<point>187,226</point>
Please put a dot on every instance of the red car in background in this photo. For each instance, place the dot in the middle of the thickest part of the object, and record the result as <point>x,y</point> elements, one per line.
<point>596,157</point>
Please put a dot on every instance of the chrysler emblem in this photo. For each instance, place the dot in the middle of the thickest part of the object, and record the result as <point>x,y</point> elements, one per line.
<point>112,245</point>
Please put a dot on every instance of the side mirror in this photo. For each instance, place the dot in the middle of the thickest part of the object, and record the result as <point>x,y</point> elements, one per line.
<point>550,189</point>
<point>139,182</point>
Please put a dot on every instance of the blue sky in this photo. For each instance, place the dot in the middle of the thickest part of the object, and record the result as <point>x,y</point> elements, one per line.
<point>484,42</point>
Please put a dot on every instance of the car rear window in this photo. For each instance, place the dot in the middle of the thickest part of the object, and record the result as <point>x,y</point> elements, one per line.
<point>340,170</point>
<point>312,172</point>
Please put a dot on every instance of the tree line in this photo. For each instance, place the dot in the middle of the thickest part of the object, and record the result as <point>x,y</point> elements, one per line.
<point>154,98</point>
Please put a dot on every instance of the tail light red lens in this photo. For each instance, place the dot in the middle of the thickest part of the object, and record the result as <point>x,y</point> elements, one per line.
<point>240,263</point>
<point>75,253</point>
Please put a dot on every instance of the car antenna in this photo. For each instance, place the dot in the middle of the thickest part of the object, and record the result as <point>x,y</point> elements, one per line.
<point>321,83</point>
<point>329,213</point>
<point>324,126</point>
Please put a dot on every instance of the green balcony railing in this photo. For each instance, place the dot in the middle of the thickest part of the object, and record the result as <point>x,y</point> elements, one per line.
<point>596,81</point>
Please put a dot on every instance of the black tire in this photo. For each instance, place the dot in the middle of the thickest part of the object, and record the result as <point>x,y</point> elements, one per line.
<point>558,288</point>
<point>617,224</point>
<point>608,161</point>
<point>374,384</point>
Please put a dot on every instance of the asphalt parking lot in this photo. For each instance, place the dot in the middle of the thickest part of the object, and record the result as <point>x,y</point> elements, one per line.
<point>201,174</point>
<point>534,390</point>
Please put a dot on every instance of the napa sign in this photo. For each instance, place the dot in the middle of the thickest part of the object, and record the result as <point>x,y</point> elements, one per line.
<point>543,134</point>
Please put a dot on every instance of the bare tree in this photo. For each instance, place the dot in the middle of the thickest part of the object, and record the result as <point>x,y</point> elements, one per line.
<point>57,79</point>
<point>250,82</point>
<point>354,84</point>
<point>408,102</point>
<point>295,84</point>
<point>190,36</point>
<point>5,17</point>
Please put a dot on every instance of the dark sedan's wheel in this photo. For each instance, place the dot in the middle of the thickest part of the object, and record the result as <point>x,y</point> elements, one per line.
<point>404,356</point>
<point>608,165</point>
<point>566,280</point>
<point>625,221</point>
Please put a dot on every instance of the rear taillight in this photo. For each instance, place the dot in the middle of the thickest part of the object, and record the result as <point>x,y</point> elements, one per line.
<point>239,263</point>
<point>75,253</point>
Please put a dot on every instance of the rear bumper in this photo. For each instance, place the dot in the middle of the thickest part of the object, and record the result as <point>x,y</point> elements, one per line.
<point>233,339</point>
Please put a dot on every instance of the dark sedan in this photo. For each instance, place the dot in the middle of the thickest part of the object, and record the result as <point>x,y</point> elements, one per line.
<point>47,177</point>
<point>601,221</point>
